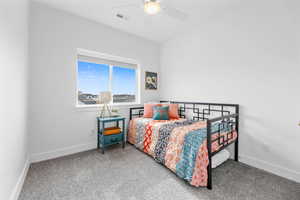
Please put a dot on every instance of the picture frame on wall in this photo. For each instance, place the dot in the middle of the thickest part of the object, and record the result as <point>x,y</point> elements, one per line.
<point>151,81</point>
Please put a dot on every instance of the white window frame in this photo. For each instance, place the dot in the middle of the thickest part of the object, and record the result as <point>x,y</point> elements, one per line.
<point>95,54</point>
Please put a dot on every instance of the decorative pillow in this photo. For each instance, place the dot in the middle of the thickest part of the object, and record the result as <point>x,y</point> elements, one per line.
<point>148,109</point>
<point>173,111</point>
<point>161,113</point>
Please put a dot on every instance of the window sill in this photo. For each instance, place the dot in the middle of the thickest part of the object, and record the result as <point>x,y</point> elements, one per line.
<point>94,108</point>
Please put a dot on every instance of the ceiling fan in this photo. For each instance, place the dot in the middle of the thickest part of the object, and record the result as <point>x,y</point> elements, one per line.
<point>153,7</point>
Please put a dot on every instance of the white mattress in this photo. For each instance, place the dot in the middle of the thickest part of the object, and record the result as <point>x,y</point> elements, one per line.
<point>219,158</point>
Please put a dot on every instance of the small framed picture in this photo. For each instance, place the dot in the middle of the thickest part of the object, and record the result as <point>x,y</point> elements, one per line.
<point>151,81</point>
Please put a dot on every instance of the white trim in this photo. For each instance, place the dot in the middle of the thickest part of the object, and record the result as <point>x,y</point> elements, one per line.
<point>18,188</point>
<point>95,108</point>
<point>139,84</point>
<point>62,152</point>
<point>110,104</point>
<point>110,80</point>
<point>77,84</point>
<point>106,56</point>
<point>272,168</point>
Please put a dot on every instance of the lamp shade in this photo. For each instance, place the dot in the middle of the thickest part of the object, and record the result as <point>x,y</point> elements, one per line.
<point>105,97</point>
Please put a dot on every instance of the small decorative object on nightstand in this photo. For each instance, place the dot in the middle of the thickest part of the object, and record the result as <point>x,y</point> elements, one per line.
<point>110,135</point>
<point>104,99</point>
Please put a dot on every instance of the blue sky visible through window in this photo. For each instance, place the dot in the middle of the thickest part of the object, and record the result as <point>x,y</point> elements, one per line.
<point>124,81</point>
<point>94,78</point>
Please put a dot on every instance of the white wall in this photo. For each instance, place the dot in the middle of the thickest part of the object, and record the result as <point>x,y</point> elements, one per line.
<point>56,127</point>
<point>248,54</point>
<point>13,96</point>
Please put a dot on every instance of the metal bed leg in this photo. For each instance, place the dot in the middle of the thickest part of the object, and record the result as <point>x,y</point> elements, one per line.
<point>236,150</point>
<point>209,179</point>
<point>209,167</point>
<point>236,144</point>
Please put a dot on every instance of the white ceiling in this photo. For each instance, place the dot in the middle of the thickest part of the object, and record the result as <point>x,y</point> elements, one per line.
<point>158,28</point>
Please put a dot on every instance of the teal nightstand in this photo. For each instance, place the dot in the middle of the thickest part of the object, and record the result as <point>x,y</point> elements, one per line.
<point>107,140</point>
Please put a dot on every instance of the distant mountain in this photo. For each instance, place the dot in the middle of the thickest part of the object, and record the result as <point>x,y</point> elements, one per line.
<point>89,99</point>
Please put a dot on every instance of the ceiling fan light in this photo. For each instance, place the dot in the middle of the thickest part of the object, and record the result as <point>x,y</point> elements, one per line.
<point>152,7</point>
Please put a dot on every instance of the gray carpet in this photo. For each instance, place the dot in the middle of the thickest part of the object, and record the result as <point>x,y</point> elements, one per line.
<point>132,175</point>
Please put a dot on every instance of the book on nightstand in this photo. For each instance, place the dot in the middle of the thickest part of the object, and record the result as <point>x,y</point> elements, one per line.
<point>112,130</point>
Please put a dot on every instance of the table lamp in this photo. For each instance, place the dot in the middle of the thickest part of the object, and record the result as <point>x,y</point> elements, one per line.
<point>104,99</point>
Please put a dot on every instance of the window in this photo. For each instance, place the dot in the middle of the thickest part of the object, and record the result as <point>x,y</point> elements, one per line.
<point>98,72</point>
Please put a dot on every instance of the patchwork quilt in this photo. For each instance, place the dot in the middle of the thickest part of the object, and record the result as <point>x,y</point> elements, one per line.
<point>180,145</point>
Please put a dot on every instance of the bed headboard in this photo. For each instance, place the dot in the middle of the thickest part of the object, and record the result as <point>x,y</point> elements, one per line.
<point>195,110</point>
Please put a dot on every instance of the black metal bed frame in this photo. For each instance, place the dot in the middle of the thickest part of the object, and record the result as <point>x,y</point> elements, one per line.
<point>228,115</point>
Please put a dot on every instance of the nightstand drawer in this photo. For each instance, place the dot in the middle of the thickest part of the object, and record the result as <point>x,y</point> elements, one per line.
<point>111,139</point>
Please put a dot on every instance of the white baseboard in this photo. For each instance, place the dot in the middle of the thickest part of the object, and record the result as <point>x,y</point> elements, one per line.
<point>61,152</point>
<point>17,190</point>
<point>269,167</point>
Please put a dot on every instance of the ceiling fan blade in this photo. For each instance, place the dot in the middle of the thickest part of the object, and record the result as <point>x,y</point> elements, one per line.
<point>136,5</point>
<point>174,13</point>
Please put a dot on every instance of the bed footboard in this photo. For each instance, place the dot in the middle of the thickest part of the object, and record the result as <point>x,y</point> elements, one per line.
<point>231,121</point>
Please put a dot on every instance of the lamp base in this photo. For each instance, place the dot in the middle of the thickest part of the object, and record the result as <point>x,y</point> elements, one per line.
<point>105,109</point>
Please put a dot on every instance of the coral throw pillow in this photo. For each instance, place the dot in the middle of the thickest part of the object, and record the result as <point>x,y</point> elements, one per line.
<point>161,113</point>
<point>173,111</point>
<point>148,109</point>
